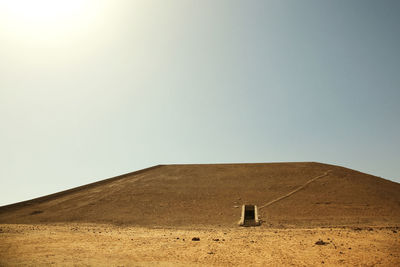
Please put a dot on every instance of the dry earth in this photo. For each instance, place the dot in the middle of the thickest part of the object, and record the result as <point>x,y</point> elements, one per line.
<point>149,217</point>
<point>211,195</point>
<point>107,245</point>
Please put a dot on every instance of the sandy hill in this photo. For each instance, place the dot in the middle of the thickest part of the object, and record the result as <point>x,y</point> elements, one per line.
<point>289,194</point>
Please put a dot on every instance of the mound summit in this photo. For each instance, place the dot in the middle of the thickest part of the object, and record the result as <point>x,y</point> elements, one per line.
<point>305,194</point>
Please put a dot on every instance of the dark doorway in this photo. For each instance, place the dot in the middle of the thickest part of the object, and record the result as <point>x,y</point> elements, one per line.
<point>249,216</point>
<point>249,212</point>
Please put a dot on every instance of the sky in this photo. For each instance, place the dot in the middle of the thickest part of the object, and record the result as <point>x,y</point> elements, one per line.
<point>94,89</point>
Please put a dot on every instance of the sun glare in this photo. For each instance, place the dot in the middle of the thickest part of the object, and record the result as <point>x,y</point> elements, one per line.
<point>42,10</point>
<point>46,20</point>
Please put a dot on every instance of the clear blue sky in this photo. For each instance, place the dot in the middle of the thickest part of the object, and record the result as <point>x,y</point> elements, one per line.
<point>92,91</point>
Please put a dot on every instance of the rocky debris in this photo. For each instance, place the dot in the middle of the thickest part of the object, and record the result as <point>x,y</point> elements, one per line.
<point>196,239</point>
<point>216,239</point>
<point>394,231</point>
<point>35,212</point>
<point>210,252</point>
<point>320,242</point>
<point>357,229</point>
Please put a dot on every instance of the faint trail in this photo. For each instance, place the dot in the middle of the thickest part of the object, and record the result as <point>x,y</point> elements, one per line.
<point>296,190</point>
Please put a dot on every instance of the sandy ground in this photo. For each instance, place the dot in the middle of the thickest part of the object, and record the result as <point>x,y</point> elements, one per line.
<point>83,244</point>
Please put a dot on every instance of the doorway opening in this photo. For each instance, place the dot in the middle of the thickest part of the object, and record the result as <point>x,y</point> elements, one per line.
<point>249,216</point>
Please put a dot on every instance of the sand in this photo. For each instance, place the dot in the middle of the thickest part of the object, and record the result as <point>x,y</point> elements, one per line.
<point>313,214</point>
<point>108,245</point>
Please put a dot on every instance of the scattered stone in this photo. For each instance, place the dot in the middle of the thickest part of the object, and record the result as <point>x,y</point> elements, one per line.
<point>394,231</point>
<point>36,212</point>
<point>370,229</point>
<point>357,229</point>
<point>196,239</point>
<point>216,239</point>
<point>349,248</point>
<point>236,206</point>
<point>321,243</point>
<point>210,252</point>
<point>177,238</point>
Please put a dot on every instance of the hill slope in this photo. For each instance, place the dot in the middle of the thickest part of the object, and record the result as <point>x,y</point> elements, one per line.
<point>306,194</point>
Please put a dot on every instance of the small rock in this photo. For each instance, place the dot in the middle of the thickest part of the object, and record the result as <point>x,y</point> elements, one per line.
<point>210,252</point>
<point>216,239</point>
<point>36,212</point>
<point>394,231</point>
<point>321,243</point>
<point>196,239</point>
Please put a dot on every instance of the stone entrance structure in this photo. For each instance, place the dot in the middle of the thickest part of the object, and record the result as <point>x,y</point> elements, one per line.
<point>249,216</point>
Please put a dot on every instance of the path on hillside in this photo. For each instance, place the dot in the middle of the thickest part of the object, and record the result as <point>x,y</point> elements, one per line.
<point>296,190</point>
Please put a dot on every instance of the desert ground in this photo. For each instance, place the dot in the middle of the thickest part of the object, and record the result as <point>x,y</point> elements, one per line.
<point>312,214</point>
<point>107,245</point>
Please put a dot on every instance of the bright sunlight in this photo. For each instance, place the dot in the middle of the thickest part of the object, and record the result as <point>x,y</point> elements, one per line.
<point>47,20</point>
